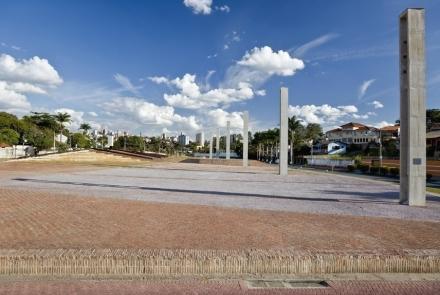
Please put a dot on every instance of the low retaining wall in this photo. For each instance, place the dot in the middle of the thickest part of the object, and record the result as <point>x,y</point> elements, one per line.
<point>230,162</point>
<point>172,263</point>
<point>329,162</point>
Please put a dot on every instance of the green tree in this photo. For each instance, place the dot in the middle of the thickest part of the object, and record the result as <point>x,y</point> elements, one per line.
<point>9,121</point>
<point>295,132</point>
<point>80,140</point>
<point>42,120</point>
<point>432,117</point>
<point>9,136</point>
<point>62,118</point>
<point>313,132</point>
<point>40,138</point>
<point>85,127</point>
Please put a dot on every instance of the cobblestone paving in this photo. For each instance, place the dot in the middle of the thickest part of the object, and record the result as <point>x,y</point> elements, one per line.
<point>213,287</point>
<point>252,188</point>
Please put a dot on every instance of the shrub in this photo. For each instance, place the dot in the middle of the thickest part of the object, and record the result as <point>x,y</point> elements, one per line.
<point>364,167</point>
<point>350,168</point>
<point>357,160</point>
<point>374,169</point>
<point>394,171</point>
<point>62,147</point>
<point>384,170</point>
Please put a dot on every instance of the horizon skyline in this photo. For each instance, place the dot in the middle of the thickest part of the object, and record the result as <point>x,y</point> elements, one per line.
<point>125,67</point>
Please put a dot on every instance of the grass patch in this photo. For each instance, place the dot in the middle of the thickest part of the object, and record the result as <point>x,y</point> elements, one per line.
<point>433,190</point>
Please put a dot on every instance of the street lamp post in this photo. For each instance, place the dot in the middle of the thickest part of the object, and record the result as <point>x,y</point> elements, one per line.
<point>380,147</point>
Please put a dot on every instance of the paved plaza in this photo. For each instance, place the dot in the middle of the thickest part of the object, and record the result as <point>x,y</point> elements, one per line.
<point>219,221</point>
<point>170,205</point>
<point>231,187</point>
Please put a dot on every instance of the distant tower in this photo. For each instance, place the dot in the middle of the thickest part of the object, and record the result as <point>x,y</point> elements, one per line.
<point>412,108</point>
<point>284,121</point>
<point>245,138</point>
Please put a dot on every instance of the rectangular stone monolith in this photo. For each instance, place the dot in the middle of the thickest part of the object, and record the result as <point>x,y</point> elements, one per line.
<point>245,138</point>
<point>412,108</point>
<point>283,155</point>
<point>210,146</point>
<point>228,140</point>
<point>217,144</point>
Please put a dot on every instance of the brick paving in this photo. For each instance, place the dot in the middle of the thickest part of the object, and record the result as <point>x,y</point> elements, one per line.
<point>42,220</point>
<point>213,287</point>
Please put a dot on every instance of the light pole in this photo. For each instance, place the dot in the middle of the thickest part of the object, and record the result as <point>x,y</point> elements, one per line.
<point>380,147</point>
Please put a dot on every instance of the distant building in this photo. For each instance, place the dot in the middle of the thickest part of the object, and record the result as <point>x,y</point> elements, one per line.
<point>200,139</point>
<point>61,138</point>
<point>110,140</point>
<point>353,133</point>
<point>390,132</point>
<point>183,139</point>
<point>433,143</point>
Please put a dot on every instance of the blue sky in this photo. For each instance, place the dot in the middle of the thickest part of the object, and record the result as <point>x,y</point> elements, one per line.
<point>153,66</point>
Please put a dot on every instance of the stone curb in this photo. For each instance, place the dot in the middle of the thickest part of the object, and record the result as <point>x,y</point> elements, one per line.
<point>105,263</point>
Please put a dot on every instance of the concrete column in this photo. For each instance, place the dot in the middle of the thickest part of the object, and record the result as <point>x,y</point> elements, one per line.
<point>284,105</point>
<point>228,140</point>
<point>412,108</point>
<point>245,138</point>
<point>217,144</point>
<point>210,146</point>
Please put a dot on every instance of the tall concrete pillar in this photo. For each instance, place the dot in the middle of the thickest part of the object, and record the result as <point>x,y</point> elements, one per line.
<point>245,138</point>
<point>284,105</point>
<point>217,144</point>
<point>210,146</point>
<point>228,140</point>
<point>412,108</point>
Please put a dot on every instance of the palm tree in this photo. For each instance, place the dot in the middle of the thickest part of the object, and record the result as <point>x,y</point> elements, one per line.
<point>85,127</point>
<point>294,126</point>
<point>62,118</point>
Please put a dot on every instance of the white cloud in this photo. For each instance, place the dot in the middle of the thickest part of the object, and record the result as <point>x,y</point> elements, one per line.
<point>25,88</point>
<point>261,92</point>
<point>126,83</point>
<point>230,39</point>
<point>303,49</point>
<point>266,60</point>
<point>382,124</point>
<point>364,116</point>
<point>199,6</point>
<point>35,70</point>
<point>323,114</point>
<point>258,65</point>
<point>364,87</point>
<point>159,80</point>
<point>148,113</point>
<point>12,101</point>
<point>76,117</point>
<point>348,109</point>
<point>21,77</point>
<point>93,114</point>
<point>219,117</point>
<point>190,95</point>
<point>376,104</point>
<point>223,8</point>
